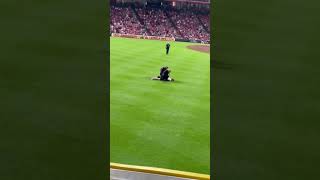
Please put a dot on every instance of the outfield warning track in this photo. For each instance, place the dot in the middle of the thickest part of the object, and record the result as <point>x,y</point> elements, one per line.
<point>200,48</point>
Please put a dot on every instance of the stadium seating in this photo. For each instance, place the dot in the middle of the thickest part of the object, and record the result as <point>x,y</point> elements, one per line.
<point>186,25</point>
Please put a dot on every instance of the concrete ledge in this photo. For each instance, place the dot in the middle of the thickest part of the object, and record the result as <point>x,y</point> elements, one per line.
<point>116,174</point>
<point>157,172</point>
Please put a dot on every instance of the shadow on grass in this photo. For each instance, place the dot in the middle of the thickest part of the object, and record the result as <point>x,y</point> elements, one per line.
<point>175,81</point>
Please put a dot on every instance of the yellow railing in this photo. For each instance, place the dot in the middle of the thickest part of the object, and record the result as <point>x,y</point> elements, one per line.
<point>160,171</point>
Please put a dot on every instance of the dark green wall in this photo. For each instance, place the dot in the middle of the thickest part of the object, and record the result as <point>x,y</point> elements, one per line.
<point>266,89</point>
<point>53,90</point>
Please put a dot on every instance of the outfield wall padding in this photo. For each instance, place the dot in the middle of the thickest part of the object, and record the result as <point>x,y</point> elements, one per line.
<point>157,173</point>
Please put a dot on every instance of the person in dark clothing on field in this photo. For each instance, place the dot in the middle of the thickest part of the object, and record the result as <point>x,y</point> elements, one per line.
<point>164,76</point>
<point>167,48</point>
<point>162,70</point>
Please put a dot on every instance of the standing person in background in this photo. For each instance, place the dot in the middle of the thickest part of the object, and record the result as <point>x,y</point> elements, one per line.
<point>167,48</point>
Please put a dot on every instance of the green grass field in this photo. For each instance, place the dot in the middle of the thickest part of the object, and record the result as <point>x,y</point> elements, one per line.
<point>159,124</point>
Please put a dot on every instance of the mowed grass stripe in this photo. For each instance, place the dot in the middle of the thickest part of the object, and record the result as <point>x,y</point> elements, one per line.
<point>148,53</point>
<point>138,67</point>
<point>161,62</point>
<point>155,123</point>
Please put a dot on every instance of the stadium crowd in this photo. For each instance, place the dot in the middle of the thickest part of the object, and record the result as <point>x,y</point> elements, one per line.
<point>157,23</point>
<point>124,22</point>
<point>160,22</point>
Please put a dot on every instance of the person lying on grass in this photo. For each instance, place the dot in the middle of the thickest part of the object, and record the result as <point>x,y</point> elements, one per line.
<point>164,76</point>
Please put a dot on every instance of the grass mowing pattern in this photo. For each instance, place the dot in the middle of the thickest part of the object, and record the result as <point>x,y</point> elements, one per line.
<point>155,123</point>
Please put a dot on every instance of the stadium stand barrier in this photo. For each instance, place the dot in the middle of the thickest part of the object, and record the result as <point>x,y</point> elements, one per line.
<point>142,37</point>
<point>132,172</point>
<point>157,38</point>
